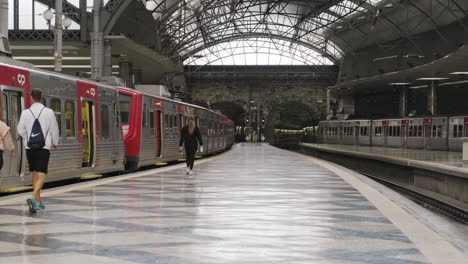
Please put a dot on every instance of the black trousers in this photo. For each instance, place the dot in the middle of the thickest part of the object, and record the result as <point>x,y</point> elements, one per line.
<point>190,155</point>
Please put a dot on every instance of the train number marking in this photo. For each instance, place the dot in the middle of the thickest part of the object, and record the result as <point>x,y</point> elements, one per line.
<point>21,79</point>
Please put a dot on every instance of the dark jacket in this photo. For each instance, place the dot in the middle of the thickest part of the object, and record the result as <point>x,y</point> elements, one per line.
<point>190,140</point>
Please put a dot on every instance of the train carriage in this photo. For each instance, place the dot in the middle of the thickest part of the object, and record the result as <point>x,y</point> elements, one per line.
<point>102,128</point>
<point>436,133</point>
<point>348,133</point>
<point>458,131</point>
<point>396,136</point>
<point>331,132</point>
<point>152,127</point>
<point>379,132</point>
<point>91,141</point>
<point>362,133</point>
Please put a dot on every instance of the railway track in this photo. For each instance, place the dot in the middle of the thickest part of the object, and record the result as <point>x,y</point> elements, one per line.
<point>431,203</point>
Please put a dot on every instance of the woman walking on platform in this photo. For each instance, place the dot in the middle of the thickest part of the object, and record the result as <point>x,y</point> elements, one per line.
<point>190,137</point>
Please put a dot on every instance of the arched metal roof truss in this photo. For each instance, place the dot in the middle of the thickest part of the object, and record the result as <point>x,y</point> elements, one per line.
<point>190,26</point>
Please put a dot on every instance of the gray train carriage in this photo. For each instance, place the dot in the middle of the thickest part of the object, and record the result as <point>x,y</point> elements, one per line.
<point>415,133</point>
<point>436,133</point>
<point>151,131</point>
<point>362,132</point>
<point>379,133</point>
<point>332,132</point>
<point>428,133</point>
<point>396,133</point>
<point>348,132</point>
<point>171,130</point>
<point>458,131</point>
<point>91,141</point>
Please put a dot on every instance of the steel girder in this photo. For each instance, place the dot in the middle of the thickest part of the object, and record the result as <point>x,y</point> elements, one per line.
<point>72,11</point>
<point>188,28</point>
<point>42,35</point>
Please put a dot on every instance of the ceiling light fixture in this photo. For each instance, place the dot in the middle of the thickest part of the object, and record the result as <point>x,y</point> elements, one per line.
<point>400,84</point>
<point>459,73</point>
<point>418,87</point>
<point>432,79</point>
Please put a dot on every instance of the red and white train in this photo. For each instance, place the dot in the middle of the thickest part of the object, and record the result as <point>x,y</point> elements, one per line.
<point>433,133</point>
<point>103,128</point>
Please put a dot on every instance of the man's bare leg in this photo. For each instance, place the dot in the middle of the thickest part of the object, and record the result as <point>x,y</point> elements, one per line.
<point>39,183</point>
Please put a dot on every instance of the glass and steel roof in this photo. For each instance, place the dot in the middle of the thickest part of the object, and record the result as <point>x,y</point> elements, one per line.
<point>204,31</point>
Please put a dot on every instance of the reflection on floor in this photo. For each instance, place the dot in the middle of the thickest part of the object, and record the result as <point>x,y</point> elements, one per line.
<point>256,204</point>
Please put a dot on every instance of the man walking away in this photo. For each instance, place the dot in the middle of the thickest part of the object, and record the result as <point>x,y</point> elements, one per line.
<point>39,130</point>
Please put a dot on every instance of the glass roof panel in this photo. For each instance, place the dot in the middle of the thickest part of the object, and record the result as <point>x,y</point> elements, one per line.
<point>260,51</point>
<point>190,25</point>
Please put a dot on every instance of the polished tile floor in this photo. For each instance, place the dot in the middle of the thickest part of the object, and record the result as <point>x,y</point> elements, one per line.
<point>254,204</point>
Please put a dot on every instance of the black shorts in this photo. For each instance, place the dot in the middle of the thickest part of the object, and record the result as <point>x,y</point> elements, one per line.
<point>38,160</point>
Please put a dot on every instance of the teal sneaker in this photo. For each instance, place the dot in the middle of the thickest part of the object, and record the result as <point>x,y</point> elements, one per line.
<point>40,206</point>
<point>32,205</point>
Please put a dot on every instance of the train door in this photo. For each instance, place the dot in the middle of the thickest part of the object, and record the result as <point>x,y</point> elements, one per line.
<point>159,126</point>
<point>88,128</point>
<point>427,136</point>
<point>404,134</point>
<point>357,132</point>
<point>12,106</point>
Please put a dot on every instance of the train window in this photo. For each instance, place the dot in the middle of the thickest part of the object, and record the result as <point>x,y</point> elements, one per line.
<point>466,130</point>
<point>125,112</point>
<point>419,131</point>
<point>397,131</point>
<point>460,130</point>
<point>70,118</point>
<point>174,121</point>
<point>43,101</point>
<point>143,119</point>
<point>166,119</point>
<point>363,131</point>
<point>410,131</point>
<point>56,106</point>
<point>104,121</point>
<point>5,109</point>
<point>434,131</point>
<point>151,121</point>
<point>378,131</point>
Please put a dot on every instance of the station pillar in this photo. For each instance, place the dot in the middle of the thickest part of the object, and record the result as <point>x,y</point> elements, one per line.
<point>97,43</point>
<point>403,109</point>
<point>4,44</point>
<point>107,70</point>
<point>432,97</point>
<point>126,73</point>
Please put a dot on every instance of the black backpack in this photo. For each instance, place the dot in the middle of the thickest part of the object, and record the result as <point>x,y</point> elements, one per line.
<point>36,138</point>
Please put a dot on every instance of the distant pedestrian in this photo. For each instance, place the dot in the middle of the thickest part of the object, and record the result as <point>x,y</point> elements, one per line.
<point>6,143</point>
<point>190,137</point>
<point>39,130</point>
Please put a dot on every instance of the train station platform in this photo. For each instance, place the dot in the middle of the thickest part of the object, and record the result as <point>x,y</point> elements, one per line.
<point>442,161</point>
<point>253,204</point>
<point>437,175</point>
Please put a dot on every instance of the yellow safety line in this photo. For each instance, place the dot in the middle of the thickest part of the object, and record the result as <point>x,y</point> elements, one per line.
<point>181,160</point>
<point>17,189</point>
<point>198,157</point>
<point>161,163</point>
<point>90,177</point>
